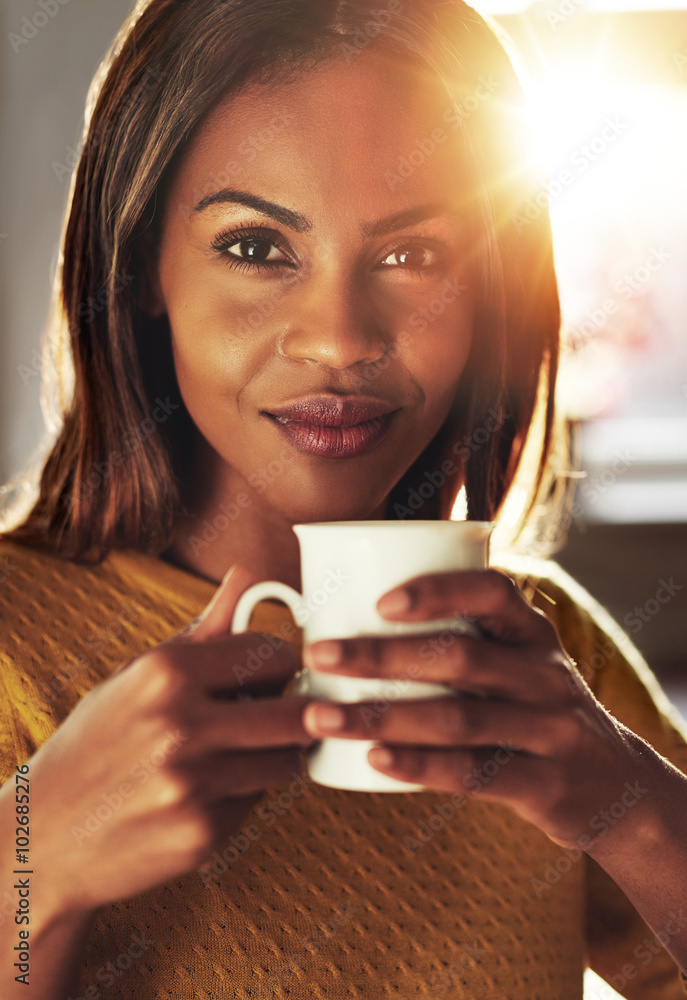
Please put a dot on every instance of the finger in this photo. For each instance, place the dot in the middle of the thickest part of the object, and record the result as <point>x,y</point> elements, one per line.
<point>235,775</point>
<point>488,596</point>
<point>215,619</point>
<point>228,665</point>
<point>254,725</point>
<point>452,722</point>
<point>516,781</point>
<point>479,666</point>
<point>214,622</point>
<point>227,815</point>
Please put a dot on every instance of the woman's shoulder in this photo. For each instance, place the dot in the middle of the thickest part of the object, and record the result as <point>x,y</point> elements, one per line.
<point>588,630</point>
<point>51,582</point>
<point>574,611</point>
<point>560,589</point>
<point>40,588</point>
<point>50,605</point>
<point>65,626</point>
<point>35,591</point>
<point>23,567</point>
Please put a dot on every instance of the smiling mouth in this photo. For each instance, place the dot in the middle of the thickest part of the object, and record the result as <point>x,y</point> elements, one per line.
<point>334,441</point>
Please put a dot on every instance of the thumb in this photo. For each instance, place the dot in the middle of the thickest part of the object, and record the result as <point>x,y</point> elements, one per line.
<point>215,620</point>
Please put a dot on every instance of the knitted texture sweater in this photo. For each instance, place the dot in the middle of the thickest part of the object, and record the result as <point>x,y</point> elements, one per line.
<point>323,892</point>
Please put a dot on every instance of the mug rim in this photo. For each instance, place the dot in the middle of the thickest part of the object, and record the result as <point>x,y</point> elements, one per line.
<point>394,524</point>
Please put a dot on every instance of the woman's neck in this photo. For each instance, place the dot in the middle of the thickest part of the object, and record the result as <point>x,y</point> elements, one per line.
<point>209,543</point>
<point>229,522</point>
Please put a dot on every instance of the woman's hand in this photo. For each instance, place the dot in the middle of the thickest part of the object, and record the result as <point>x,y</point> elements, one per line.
<point>525,729</point>
<point>156,766</point>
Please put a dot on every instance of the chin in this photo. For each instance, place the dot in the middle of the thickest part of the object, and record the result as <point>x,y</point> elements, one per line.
<point>303,510</point>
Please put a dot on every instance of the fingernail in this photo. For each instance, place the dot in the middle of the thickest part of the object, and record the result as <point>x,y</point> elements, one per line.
<point>325,654</point>
<point>327,717</point>
<point>394,603</point>
<point>381,757</point>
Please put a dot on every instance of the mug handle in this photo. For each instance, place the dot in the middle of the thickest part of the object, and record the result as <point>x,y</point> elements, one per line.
<point>259,592</point>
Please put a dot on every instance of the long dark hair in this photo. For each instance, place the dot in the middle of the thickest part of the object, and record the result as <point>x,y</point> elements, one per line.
<point>113,477</point>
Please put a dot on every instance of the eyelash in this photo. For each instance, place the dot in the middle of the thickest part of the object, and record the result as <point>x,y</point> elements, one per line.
<point>224,240</point>
<point>424,242</point>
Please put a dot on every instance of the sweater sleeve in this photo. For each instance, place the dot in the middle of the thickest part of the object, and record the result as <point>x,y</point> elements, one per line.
<point>621,947</point>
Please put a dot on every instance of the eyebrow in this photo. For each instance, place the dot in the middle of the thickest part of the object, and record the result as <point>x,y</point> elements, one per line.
<point>279,213</point>
<point>406,217</point>
<point>299,223</point>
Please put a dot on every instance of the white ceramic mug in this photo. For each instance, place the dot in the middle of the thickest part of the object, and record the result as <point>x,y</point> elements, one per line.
<point>346,566</point>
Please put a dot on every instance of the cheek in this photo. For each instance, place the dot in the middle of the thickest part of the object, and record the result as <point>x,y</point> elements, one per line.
<point>435,348</point>
<point>212,371</point>
<point>217,340</point>
<point>212,297</point>
<point>198,362</point>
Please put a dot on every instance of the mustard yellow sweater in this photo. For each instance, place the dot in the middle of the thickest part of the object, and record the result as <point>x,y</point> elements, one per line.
<point>327,893</point>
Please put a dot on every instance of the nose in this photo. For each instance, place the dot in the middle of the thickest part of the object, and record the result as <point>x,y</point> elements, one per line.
<point>331,321</point>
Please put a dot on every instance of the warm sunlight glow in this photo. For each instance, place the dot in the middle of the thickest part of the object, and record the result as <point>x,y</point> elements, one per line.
<point>608,93</point>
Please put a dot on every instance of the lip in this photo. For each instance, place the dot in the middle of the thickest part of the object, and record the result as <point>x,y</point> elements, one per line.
<point>334,426</point>
<point>333,411</point>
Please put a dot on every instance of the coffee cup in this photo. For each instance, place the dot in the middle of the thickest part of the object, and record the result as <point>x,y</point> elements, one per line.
<point>346,566</point>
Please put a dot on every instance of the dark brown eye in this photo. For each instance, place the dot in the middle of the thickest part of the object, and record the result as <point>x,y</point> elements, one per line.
<point>247,249</point>
<point>253,249</point>
<point>411,256</point>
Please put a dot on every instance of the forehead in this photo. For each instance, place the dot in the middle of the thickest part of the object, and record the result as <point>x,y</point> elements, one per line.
<point>372,128</point>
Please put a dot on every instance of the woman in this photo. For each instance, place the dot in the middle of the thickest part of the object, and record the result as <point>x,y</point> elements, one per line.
<point>291,216</point>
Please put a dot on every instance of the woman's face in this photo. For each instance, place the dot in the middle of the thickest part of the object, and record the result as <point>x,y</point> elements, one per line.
<point>313,246</point>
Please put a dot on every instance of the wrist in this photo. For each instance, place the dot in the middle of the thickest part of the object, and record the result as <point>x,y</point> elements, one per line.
<point>50,914</point>
<point>48,907</point>
<point>646,819</point>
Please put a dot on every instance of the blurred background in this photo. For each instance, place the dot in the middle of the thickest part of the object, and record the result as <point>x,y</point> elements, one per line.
<point>609,86</point>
